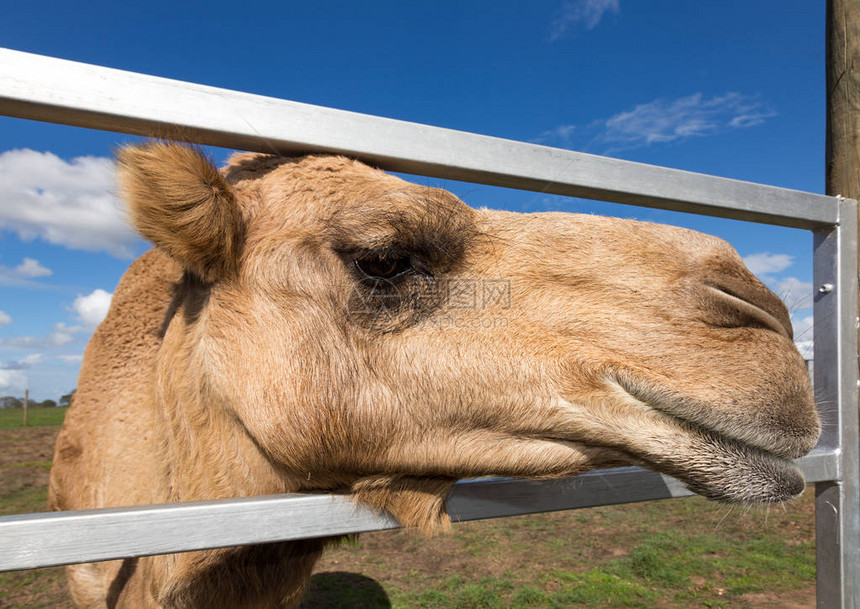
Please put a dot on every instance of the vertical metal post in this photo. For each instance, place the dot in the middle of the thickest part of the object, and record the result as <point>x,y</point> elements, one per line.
<point>837,502</point>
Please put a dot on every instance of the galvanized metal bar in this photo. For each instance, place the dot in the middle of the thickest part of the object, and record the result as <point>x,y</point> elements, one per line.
<point>42,540</point>
<point>59,91</point>
<point>837,509</point>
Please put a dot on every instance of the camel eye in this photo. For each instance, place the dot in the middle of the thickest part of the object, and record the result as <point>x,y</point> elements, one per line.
<point>375,266</point>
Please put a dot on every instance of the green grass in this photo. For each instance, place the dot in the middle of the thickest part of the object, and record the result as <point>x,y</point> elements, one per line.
<point>37,586</point>
<point>669,554</point>
<point>45,465</point>
<point>24,501</point>
<point>671,558</point>
<point>662,567</point>
<point>36,417</point>
<point>594,588</point>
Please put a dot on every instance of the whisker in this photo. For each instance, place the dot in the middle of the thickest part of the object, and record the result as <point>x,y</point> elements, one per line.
<point>730,509</point>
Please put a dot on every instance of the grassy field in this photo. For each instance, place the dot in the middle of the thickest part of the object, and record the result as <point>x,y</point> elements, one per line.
<point>667,554</point>
<point>36,417</point>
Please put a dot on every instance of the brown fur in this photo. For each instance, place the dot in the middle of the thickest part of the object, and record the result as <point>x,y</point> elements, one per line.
<point>251,353</point>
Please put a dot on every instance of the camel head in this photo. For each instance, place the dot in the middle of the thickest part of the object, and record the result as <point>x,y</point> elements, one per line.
<point>340,329</point>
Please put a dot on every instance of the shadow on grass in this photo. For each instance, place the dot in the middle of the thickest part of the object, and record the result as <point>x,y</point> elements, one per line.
<point>341,590</point>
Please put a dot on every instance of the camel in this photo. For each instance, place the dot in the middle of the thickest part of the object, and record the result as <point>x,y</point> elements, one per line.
<point>312,324</point>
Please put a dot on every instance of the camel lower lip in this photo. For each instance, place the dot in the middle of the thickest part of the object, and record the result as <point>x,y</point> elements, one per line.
<point>733,472</point>
<point>711,463</point>
<point>775,482</point>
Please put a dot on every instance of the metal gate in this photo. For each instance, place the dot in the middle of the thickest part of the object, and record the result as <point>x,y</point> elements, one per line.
<point>58,91</point>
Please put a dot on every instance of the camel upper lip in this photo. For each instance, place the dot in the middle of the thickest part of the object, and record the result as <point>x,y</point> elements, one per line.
<point>740,443</point>
<point>698,427</point>
<point>767,440</point>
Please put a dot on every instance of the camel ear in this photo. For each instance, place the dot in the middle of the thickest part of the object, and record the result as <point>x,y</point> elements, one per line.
<point>179,201</point>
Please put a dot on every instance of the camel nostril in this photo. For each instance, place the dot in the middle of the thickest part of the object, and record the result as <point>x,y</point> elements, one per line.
<point>751,305</point>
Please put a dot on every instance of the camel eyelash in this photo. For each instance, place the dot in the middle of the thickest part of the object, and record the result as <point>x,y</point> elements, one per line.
<point>387,264</point>
<point>381,267</point>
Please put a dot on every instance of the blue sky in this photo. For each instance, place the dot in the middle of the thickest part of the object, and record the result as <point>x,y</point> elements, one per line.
<point>723,87</point>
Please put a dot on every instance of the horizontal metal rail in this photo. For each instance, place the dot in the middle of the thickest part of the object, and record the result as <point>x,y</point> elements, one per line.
<point>58,538</point>
<point>60,91</point>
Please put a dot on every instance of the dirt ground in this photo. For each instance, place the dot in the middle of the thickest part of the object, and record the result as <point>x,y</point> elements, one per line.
<point>402,569</point>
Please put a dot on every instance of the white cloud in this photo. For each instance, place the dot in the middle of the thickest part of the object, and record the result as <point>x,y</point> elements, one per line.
<point>12,372</point>
<point>796,294</point>
<point>72,359</point>
<point>766,263</point>
<point>33,358</point>
<point>91,309</point>
<point>21,364</point>
<point>5,319</point>
<point>806,348</point>
<point>802,327</point>
<point>60,335</point>
<point>31,268</point>
<point>581,13</point>
<point>663,121</point>
<point>560,135</point>
<point>23,274</point>
<point>12,379</point>
<point>803,335</point>
<point>69,203</point>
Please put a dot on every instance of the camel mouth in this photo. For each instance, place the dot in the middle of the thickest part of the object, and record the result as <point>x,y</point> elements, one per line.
<point>729,470</point>
<point>775,433</point>
<point>712,463</point>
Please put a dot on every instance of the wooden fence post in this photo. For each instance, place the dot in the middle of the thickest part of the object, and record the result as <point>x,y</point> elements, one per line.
<point>26,400</point>
<point>843,99</point>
